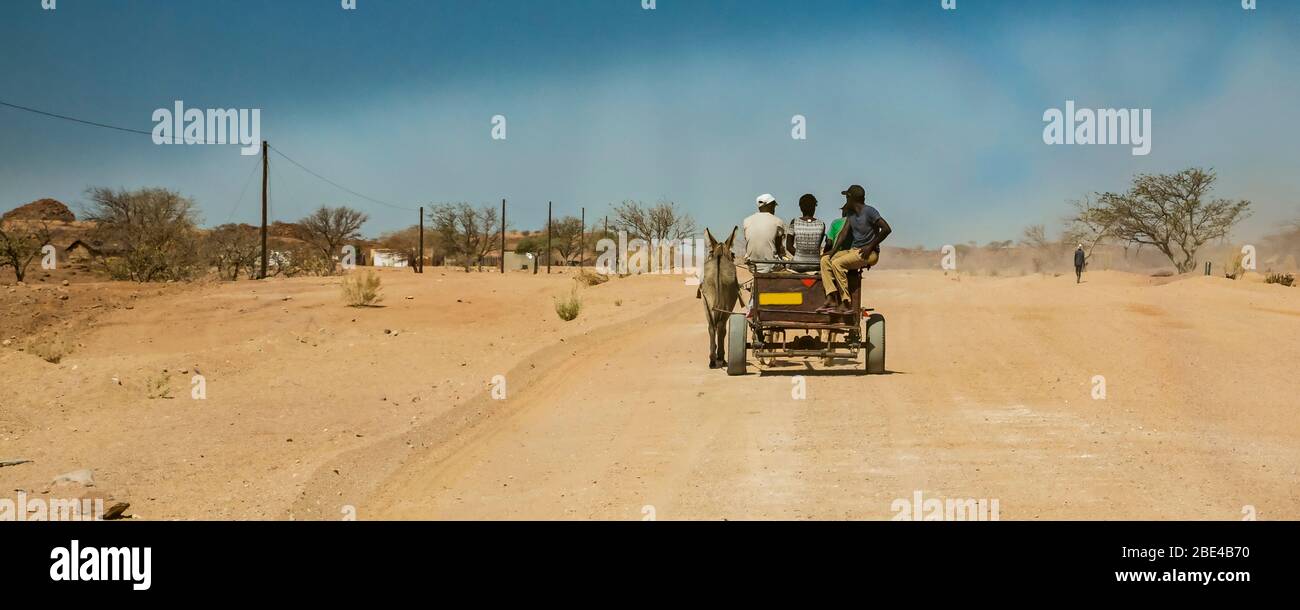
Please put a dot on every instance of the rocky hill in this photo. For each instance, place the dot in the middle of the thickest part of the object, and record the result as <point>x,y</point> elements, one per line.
<point>41,209</point>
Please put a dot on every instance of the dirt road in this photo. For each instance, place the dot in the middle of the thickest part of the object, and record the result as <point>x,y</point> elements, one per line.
<point>994,395</point>
<point>314,410</point>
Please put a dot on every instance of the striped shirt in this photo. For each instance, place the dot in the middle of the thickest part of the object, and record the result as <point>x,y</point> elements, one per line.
<point>808,236</point>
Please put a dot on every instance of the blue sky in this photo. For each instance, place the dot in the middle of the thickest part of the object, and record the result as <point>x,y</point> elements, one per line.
<point>938,113</point>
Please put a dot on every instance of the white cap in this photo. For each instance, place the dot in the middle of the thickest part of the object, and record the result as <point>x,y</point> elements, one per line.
<point>765,199</point>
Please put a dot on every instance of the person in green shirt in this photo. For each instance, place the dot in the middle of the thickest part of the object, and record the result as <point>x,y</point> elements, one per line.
<point>834,230</point>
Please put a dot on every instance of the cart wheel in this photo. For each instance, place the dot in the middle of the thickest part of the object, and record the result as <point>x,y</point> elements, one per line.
<point>875,344</point>
<point>737,328</point>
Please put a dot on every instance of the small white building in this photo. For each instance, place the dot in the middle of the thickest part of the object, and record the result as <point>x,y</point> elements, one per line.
<point>388,258</point>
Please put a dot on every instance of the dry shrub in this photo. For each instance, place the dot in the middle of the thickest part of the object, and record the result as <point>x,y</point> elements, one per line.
<point>362,289</point>
<point>568,309</point>
<point>590,278</point>
<point>1285,279</point>
<point>50,349</point>
<point>1232,266</point>
<point>159,387</point>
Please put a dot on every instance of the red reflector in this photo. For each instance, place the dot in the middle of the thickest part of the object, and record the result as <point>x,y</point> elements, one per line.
<point>809,282</point>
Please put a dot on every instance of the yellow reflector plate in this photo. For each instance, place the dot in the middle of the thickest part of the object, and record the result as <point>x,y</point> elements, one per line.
<point>780,298</point>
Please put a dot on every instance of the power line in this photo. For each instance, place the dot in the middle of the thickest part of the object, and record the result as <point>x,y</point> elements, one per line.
<point>240,201</point>
<point>73,119</point>
<point>149,133</point>
<point>340,186</point>
<point>94,123</point>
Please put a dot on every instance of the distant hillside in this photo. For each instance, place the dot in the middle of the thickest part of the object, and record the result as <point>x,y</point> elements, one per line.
<point>41,209</point>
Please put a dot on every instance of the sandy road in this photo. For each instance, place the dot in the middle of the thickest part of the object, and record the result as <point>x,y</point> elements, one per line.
<point>991,397</point>
<point>313,407</point>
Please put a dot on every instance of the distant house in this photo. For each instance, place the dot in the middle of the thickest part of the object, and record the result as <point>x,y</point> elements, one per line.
<point>388,258</point>
<point>81,250</point>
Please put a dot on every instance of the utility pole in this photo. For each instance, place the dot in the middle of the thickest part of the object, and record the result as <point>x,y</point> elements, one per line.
<point>503,236</point>
<point>582,241</point>
<point>265,164</point>
<point>548,237</point>
<point>419,265</point>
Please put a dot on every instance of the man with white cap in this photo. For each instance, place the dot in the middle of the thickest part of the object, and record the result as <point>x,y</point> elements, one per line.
<point>1080,259</point>
<point>764,234</point>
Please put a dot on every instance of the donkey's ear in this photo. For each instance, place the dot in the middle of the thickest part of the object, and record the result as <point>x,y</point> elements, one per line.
<point>709,236</point>
<point>731,238</point>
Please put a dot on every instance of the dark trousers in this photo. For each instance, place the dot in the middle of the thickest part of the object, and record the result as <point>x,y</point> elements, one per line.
<point>1078,273</point>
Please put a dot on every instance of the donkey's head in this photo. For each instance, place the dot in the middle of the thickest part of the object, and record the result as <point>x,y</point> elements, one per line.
<point>720,249</point>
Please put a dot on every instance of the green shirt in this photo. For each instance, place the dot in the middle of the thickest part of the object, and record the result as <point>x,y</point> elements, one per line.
<point>834,231</point>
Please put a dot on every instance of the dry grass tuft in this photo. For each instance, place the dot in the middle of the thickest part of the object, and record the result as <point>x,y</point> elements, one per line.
<point>568,309</point>
<point>362,289</point>
<point>590,278</point>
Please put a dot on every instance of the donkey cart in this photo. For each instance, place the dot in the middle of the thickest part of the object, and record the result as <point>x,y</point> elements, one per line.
<point>785,324</point>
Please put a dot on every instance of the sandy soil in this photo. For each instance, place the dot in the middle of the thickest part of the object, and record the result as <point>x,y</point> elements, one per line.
<point>313,410</point>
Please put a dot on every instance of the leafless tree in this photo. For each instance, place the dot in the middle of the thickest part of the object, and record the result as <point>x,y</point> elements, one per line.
<point>329,229</point>
<point>1170,212</point>
<point>1034,236</point>
<point>662,221</point>
<point>233,248</point>
<point>152,232</point>
<point>1042,248</point>
<point>1088,227</point>
<point>489,224</point>
<point>20,244</point>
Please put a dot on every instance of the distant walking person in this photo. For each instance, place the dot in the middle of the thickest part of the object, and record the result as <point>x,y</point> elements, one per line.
<point>1079,260</point>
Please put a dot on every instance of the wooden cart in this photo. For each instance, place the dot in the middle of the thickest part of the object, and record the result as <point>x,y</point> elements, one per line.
<point>784,322</point>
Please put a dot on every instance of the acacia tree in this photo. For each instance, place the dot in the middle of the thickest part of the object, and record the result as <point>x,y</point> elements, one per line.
<point>1170,212</point>
<point>566,237</point>
<point>152,233</point>
<point>20,244</point>
<point>328,229</point>
<point>465,231</point>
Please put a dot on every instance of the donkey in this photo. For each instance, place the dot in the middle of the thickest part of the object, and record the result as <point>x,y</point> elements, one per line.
<point>721,291</point>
